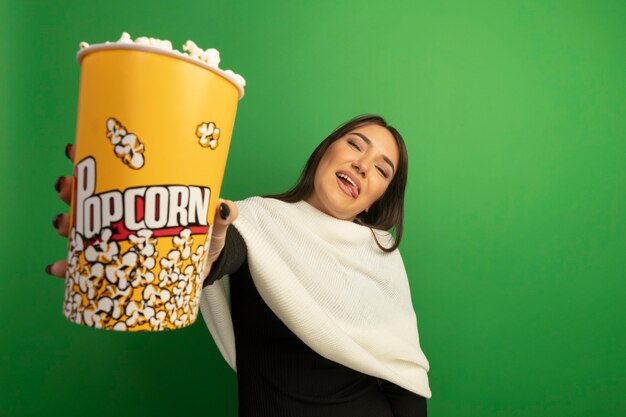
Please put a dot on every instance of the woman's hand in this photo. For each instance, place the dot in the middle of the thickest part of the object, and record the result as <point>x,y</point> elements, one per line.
<point>63,187</point>
<point>225,214</point>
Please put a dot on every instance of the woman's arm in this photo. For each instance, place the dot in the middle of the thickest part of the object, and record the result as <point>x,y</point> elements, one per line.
<point>230,258</point>
<point>404,403</point>
<point>225,214</point>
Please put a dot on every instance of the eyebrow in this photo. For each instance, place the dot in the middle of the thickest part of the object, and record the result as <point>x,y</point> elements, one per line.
<point>369,142</point>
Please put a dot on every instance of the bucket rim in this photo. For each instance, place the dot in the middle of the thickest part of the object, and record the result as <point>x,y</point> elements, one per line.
<point>80,55</point>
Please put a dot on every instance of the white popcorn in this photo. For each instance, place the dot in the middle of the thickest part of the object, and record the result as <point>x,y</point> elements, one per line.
<point>155,297</point>
<point>134,311</point>
<point>208,134</point>
<point>143,244</point>
<point>102,250</point>
<point>127,146</point>
<point>76,241</point>
<point>115,131</point>
<point>183,243</point>
<point>168,276</point>
<point>148,312</point>
<point>120,325</point>
<point>112,285</point>
<point>92,318</point>
<point>193,49</point>
<point>210,56</point>
<point>240,79</point>
<point>237,77</point>
<point>89,277</point>
<point>77,302</point>
<point>142,40</point>
<point>112,307</point>
<point>158,321</point>
<point>199,257</point>
<point>142,275</point>
<point>178,291</point>
<point>173,260</point>
<point>149,263</point>
<point>122,271</point>
<point>130,151</point>
<point>125,38</point>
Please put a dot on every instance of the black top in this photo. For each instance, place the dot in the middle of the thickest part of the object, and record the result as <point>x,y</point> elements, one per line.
<point>278,375</point>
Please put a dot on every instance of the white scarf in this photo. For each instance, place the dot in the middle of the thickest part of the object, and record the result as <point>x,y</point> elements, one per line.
<point>330,284</point>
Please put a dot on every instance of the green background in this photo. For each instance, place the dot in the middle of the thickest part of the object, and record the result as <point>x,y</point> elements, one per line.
<point>515,239</point>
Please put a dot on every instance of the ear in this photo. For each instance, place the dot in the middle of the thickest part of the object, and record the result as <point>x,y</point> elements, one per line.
<point>367,209</point>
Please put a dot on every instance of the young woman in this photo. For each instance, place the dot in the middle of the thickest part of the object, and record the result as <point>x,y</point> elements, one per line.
<point>306,295</point>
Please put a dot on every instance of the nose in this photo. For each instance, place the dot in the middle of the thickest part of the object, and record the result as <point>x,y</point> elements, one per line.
<point>361,165</point>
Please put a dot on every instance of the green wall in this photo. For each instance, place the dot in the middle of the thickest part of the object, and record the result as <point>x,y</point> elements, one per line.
<point>515,242</point>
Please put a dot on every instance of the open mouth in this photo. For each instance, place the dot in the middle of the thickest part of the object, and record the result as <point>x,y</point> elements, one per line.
<point>347,185</point>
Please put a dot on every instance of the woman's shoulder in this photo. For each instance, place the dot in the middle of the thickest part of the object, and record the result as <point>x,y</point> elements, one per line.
<point>258,202</point>
<point>267,209</point>
<point>258,208</point>
<point>385,236</point>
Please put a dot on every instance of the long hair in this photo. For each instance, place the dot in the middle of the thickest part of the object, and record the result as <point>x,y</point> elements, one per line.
<point>387,213</point>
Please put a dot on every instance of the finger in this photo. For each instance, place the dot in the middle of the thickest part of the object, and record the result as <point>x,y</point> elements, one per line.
<point>70,151</point>
<point>63,187</point>
<point>57,269</point>
<point>225,214</point>
<point>61,223</point>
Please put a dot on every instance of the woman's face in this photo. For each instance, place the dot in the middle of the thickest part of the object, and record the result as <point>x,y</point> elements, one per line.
<point>354,172</point>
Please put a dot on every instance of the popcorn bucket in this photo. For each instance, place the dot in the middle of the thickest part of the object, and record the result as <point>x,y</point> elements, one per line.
<point>152,138</point>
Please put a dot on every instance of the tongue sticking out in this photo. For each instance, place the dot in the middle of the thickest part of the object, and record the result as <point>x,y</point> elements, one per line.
<point>353,190</point>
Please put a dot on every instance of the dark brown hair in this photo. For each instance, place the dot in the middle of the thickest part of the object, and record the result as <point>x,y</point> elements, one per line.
<point>387,213</point>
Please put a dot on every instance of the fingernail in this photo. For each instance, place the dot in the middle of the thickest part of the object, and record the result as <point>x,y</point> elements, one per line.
<point>49,269</point>
<point>67,150</point>
<point>57,184</point>
<point>55,221</point>
<point>224,211</point>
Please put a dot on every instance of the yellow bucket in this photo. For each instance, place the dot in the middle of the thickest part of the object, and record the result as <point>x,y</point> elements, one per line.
<point>152,138</point>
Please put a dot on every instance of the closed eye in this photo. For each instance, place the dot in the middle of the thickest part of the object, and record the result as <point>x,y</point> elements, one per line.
<point>354,145</point>
<point>382,171</point>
